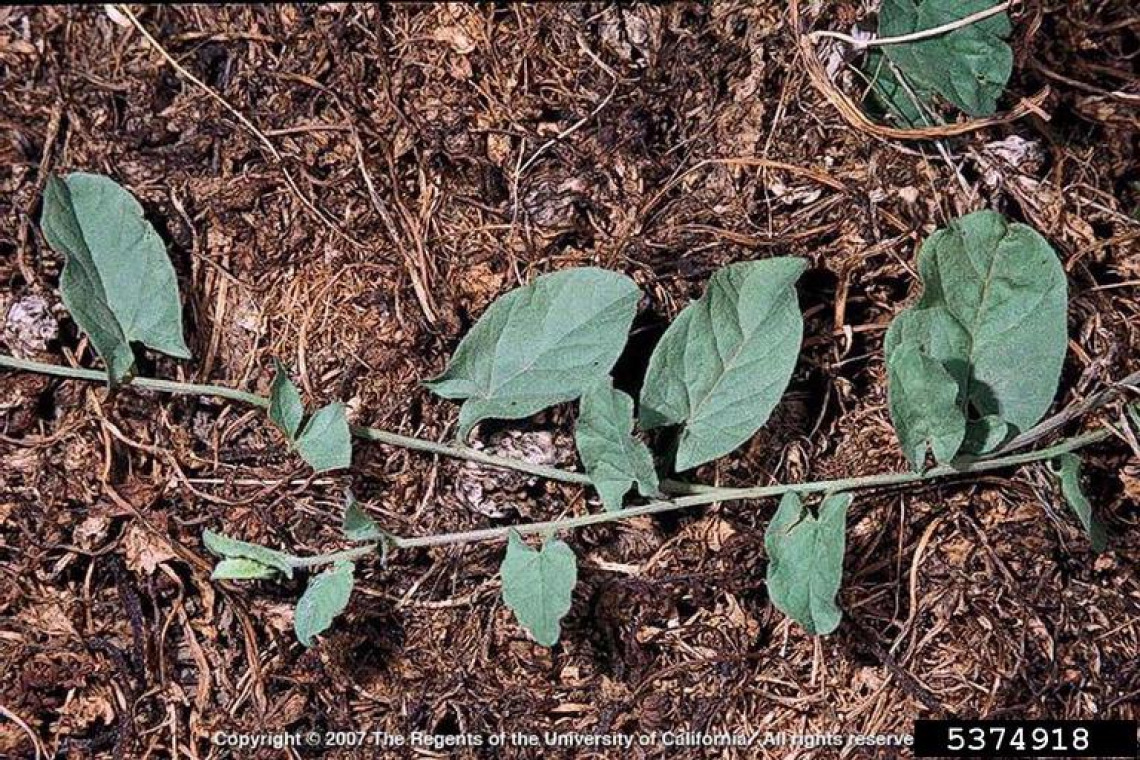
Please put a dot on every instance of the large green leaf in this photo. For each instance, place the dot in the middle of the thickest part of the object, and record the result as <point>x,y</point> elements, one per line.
<point>117,280</point>
<point>924,406</point>
<point>539,345</point>
<point>223,546</point>
<point>537,585</point>
<point>325,597</point>
<point>968,66</point>
<point>805,560</point>
<point>1069,473</point>
<point>613,457</point>
<point>724,363</point>
<point>993,315</point>
<point>326,441</point>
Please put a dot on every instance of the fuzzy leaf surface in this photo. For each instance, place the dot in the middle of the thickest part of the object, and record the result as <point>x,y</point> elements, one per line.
<point>223,546</point>
<point>993,315</point>
<point>724,362</point>
<point>326,441</point>
<point>358,526</point>
<point>923,401</point>
<point>117,282</point>
<point>614,459</point>
<point>285,407</point>
<point>325,597</point>
<point>805,560</point>
<point>241,569</point>
<point>968,66</point>
<point>537,585</point>
<point>1069,473</point>
<point>539,345</point>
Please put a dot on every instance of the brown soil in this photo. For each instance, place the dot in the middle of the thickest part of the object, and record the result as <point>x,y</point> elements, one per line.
<point>439,156</point>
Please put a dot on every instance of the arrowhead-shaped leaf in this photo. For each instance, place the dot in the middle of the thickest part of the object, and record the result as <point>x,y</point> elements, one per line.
<point>117,281</point>
<point>1069,473</point>
<point>993,315</point>
<point>325,597</point>
<point>805,561</point>
<point>724,363</point>
<point>539,345</point>
<point>241,569</point>
<point>968,66</point>
<point>223,546</point>
<point>537,585</point>
<point>285,407</point>
<point>924,406</point>
<point>326,441</point>
<point>613,457</point>
<point>358,526</point>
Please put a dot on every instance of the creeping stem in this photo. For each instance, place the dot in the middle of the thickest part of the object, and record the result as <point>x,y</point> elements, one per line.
<point>686,494</point>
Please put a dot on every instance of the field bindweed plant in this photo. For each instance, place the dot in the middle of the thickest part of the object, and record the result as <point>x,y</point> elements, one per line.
<point>972,368</point>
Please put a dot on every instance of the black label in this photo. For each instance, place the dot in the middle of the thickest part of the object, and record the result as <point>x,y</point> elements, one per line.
<point>1025,738</point>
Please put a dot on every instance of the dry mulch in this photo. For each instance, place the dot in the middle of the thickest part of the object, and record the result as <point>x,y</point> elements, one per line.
<point>425,160</point>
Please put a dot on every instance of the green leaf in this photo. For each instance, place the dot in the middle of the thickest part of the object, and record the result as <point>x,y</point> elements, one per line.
<point>540,345</point>
<point>805,561</point>
<point>537,585</point>
<point>285,407</point>
<point>892,95</point>
<point>924,406</point>
<point>993,314</point>
<point>117,280</point>
<point>985,435</point>
<point>723,364</point>
<point>326,441</point>
<point>968,66</point>
<point>240,569</point>
<point>358,526</point>
<point>325,597</point>
<point>223,546</point>
<point>613,457</point>
<point>1069,473</point>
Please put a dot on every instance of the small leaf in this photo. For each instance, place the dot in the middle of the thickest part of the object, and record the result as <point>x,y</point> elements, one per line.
<point>613,457</point>
<point>985,435</point>
<point>968,66</point>
<point>358,526</point>
<point>540,345</point>
<point>326,442</point>
<point>923,402</point>
<point>117,282</point>
<point>993,314</point>
<point>724,363</point>
<point>325,597</point>
<point>1069,473</point>
<point>240,568</point>
<point>222,545</point>
<point>537,585</point>
<point>805,561</point>
<point>285,407</point>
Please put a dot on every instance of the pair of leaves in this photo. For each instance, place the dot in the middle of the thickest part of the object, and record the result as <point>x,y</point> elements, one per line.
<point>805,560</point>
<point>326,441</point>
<point>117,281</point>
<point>326,594</point>
<point>968,66</point>
<point>979,357</point>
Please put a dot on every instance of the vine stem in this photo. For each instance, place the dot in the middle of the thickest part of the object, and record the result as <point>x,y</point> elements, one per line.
<point>922,34</point>
<point>689,495</point>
